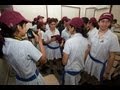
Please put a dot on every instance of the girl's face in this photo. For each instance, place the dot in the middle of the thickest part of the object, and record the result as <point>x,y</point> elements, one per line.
<point>88,25</point>
<point>67,27</point>
<point>22,30</point>
<point>52,25</point>
<point>104,24</point>
<point>71,29</point>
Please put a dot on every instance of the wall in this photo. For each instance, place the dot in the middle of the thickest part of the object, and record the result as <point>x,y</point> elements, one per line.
<point>116,12</point>
<point>54,11</point>
<point>99,12</point>
<point>83,7</point>
<point>31,11</point>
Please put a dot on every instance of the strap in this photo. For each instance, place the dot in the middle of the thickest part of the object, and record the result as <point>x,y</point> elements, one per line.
<point>94,59</point>
<point>28,79</point>
<point>72,72</point>
<point>52,47</point>
<point>103,69</point>
<point>69,72</point>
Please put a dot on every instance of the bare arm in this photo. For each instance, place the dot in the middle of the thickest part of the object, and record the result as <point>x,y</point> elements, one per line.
<point>87,52</point>
<point>65,58</point>
<point>38,39</point>
<point>43,58</point>
<point>109,65</point>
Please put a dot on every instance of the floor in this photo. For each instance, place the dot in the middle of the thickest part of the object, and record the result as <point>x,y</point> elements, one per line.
<point>85,80</point>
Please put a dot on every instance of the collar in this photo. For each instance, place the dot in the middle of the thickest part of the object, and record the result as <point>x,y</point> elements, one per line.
<point>76,35</point>
<point>106,34</point>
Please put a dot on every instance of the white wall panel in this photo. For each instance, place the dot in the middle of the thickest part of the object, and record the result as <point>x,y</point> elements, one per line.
<point>70,12</point>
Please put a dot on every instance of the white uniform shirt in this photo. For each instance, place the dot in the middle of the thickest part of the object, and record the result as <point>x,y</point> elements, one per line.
<point>47,27</point>
<point>21,55</point>
<point>52,53</point>
<point>65,34</point>
<point>100,49</point>
<point>75,47</point>
<point>91,33</point>
<point>43,34</point>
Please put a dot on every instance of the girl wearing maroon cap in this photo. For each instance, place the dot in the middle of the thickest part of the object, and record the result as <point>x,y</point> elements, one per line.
<point>20,54</point>
<point>104,44</point>
<point>74,52</point>
<point>92,25</point>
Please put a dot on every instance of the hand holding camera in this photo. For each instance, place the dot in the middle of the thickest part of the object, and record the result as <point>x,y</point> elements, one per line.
<point>31,30</point>
<point>37,36</point>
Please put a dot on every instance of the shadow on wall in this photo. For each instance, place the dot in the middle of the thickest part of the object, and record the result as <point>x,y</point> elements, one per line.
<point>4,68</point>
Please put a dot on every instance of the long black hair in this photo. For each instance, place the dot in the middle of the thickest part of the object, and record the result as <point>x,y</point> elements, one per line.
<point>5,31</point>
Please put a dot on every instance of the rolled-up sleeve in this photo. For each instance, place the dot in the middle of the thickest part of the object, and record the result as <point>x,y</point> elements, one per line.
<point>32,51</point>
<point>67,48</point>
<point>114,44</point>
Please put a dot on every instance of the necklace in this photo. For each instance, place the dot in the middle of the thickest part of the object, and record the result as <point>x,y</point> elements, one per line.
<point>18,38</point>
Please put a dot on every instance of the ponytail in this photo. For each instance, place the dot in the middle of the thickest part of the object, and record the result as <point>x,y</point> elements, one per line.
<point>83,31</point>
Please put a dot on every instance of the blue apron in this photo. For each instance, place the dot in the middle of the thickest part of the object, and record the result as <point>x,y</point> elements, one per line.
<point>103,68</point>
<point>52,47</point>
<point>73,73</point>
<point>30,78</point>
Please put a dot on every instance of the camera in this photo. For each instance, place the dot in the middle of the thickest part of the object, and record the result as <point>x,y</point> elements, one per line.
<point>30,30</point>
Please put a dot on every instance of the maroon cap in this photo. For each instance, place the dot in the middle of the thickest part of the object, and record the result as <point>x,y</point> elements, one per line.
<point>106,15</point>
<point>11,18</point>
<point>77,22</point>
<point>93,20</point>
<point>65,19</point>
<point>39,16</point>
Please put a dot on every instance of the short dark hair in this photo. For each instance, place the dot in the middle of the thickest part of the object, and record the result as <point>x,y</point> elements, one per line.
<point>85,20</point>
<point>52,20</point>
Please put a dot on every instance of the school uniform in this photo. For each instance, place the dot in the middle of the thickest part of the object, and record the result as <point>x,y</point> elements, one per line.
<point>92,32</point>
<point>100,48</point>
<point>47,27</point>
<point>75,47</point>
<point>22,56</point>
<point>65,34</point>
<point>43,37</point>
<point>53,48</point>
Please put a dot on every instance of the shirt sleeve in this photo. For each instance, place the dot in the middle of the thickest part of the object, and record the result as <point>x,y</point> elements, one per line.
<point>67,47</point>
<point>32,51</point>
<point>45,36</point>
<point>114,44</point>
<point>62,34</point>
